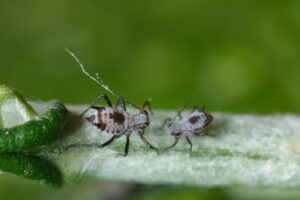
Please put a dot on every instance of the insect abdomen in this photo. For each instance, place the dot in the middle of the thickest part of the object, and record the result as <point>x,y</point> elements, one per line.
<point>195,122</point>
<point>112,121</point>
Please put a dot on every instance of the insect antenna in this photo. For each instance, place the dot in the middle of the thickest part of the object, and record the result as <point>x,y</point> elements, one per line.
<point>97,79</point>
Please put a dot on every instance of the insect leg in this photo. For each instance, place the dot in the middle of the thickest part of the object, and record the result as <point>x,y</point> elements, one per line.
<point>84,145</point>
<point>93,145</point>
<point>201,134</point>
<point>109,141</point>
<point>141,133</point>
<point>197,108</point>
<point>96,100</point>
<point>179,114</point>
<point>121,100</point>
<point>146,103</point>
<point>165,122</point>
<point>118,102</point>
<point>190,143</point>
<point>126,145</point>
<point>182,109</point>
<point>173,145</point>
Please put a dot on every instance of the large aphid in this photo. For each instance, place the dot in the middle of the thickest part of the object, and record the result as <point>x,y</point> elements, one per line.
<point>190,125</point>
<point>112,120</point>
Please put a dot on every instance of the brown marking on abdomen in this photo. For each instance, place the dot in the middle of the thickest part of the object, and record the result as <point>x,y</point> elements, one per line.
<point>194,120</point>
<point>117,117</point>
<point>101,126</point>
<point>99,116</point>
<point>92,118</point>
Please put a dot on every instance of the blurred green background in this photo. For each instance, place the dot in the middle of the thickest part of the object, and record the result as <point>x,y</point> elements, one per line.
<point>237,56</point>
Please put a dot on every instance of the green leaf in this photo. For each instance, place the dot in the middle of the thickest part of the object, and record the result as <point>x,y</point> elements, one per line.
<point>14,110</point>
<point>20,128</point>
<point>31,167</point>
<point>241,149</point>
<point>35,132</point>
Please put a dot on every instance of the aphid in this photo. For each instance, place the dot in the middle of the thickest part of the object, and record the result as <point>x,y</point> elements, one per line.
<point>190,125</point>
<point>112,120</point>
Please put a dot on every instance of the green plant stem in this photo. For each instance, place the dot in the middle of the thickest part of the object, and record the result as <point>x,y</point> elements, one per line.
<point>241,149</point>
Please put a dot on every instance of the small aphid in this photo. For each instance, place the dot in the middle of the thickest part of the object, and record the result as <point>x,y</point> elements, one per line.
<point>112,120</point>
<point>190,125</point>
